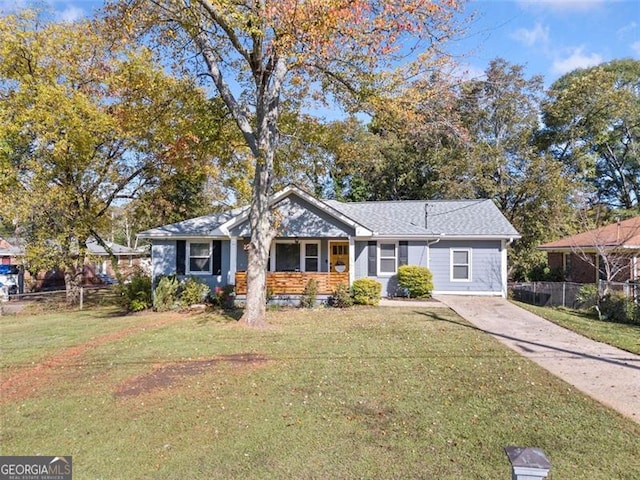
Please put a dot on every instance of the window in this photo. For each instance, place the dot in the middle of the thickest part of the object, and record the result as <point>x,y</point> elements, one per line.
<point>460,265</point>
<point>387,253</point>
<point>287,257</point>
<point>311,254</point>
<point>199,255</point>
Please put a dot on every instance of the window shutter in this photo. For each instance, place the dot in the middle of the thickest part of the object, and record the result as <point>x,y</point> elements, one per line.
<point>217,257</point>
<point>181,253</point>
<point>403,253</point>
<point>372,272</point>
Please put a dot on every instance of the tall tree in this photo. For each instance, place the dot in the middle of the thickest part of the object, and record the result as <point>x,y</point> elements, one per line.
<point>259,52</point>
<point>501,113</point>
<point>86,121</point>
<point>592,125</point>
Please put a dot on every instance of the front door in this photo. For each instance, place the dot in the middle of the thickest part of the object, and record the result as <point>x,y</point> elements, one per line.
<point>338,257</point>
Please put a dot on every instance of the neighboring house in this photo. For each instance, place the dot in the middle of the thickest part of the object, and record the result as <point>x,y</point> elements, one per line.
<point>98,262</point>
<point>586,257</point>
<point>463,242</point>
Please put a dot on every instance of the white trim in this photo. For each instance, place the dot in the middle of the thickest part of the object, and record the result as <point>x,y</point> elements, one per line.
<point>187,269</point>
<point>468,264</point>
<point>379,257</point>
<point>233,260</point>
<point>503,267</point>
<point>360,230</point>
<point>303,254</point>
<point>352,255</point>
<point>471,293</point>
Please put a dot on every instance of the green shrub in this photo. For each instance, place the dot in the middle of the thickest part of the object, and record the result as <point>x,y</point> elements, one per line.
<point>310,294</point>
<point>417,281</point>
<point>618,307</point>
<point>587,296</point>
<point>166,294</point>
<point>136,293</point>
<point>366,291</point>
<point>341,297</point>
<point>193,292</point>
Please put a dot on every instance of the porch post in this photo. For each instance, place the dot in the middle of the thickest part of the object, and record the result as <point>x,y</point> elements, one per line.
<point>352,254</point>
<point>233,259</point>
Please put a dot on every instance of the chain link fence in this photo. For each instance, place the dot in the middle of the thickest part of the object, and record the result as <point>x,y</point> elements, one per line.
<point>565,294</point>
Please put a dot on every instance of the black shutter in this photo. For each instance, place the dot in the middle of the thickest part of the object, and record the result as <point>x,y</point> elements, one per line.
<point>181,253</point>
<point>403,253</point>
<point>217,257</point>
<point>372,259</point>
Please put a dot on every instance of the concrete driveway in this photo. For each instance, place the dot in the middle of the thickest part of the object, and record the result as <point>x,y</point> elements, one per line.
<point>609,375</point>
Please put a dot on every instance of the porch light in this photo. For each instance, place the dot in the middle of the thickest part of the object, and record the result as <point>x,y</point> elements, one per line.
<point>527,463</point>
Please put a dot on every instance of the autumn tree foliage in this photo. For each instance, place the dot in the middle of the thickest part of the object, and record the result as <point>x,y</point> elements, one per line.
<point>257,53</point>
<point>85,122</point>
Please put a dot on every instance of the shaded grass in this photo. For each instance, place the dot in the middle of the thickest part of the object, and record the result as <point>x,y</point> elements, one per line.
<point>620,335</point>
<point>364,393</point>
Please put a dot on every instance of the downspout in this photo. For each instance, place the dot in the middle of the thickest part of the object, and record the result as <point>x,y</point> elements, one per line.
<point>429,250</point>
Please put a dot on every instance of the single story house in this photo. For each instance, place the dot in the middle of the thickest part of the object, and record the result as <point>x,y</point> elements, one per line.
<point>580,256</point>
<point>463,242</point>
<point>97,265</point>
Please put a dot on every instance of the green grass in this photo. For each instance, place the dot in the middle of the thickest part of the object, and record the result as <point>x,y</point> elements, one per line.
<point>620,335</point>
<point>362,393</point>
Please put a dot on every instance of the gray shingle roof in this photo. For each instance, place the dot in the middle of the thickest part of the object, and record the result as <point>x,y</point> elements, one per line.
<point>205,226</point>
<point>433,217</point>
<point>395,218</point>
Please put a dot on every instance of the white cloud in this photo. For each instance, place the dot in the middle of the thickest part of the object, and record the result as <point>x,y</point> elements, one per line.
<point>635,46</point>
<point>576,59</point>
<point>467,72</point>
<point>70,14</point>
<point>539,34</point>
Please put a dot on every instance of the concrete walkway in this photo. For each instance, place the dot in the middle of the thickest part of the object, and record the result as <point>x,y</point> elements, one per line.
<point>609,375</point>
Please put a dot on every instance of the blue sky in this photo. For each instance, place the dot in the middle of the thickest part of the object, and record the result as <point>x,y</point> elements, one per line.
<point>549,37</point>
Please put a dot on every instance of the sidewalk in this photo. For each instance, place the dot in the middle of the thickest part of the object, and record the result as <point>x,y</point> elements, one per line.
<point>609,375</point>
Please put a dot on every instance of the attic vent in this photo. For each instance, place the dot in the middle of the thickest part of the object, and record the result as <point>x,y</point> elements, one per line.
<point>426,215</point>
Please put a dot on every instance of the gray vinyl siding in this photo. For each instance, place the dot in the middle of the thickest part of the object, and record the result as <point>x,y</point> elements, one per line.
<point>416,253</point>
<point>486,272</point>
<point>163,262</point>
<point>298,218</point>
<point>163,258</point>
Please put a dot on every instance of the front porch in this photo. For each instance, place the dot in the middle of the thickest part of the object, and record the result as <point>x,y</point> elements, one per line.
<point>294,283</point>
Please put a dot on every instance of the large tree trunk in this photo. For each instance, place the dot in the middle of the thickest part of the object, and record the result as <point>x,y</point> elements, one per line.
<point>262,233</point>
<point>73,284</point>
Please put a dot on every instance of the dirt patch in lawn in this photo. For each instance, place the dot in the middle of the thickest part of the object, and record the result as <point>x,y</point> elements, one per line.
<point>168,375</point>
<point>32,379</point>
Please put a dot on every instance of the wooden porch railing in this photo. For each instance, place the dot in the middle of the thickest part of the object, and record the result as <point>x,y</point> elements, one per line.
<point>293,283</point>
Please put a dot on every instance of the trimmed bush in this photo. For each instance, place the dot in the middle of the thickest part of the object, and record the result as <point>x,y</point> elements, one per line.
<point>166,294</point>
<point>310,294</point>
<point>194,292</point>
<point>136,293</point>
<point>366,291</point>
<point>341,297</point>
<point>417,281</point>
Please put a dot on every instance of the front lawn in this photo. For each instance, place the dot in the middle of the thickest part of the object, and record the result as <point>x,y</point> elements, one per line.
<point>362,393</point>
<point>620,335</point>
